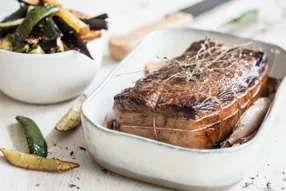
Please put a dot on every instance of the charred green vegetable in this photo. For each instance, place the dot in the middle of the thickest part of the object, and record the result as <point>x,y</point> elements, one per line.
<point>37,14</point>
<point>36,50</point>
<point>97,23</point>
<point>23,48</point>
<point>49,28</point>
<point>36,142</point>
<point>20,13</point>
<point>71,38</point>
<point>12,23</point>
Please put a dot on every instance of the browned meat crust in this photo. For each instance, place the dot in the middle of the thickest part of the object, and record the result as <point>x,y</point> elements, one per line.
<point>196,99</point>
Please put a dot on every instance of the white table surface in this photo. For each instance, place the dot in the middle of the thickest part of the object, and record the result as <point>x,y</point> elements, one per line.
<point>126,15</point>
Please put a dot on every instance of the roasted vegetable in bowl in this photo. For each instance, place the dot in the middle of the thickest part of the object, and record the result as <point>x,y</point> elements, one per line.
<point>45,26</point>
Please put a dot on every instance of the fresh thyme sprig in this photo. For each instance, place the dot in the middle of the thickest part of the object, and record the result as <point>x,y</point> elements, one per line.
<point>209,54</point>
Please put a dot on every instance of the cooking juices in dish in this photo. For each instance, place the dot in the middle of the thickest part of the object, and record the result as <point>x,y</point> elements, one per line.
<point>195,100</point>
<point>39,27</point>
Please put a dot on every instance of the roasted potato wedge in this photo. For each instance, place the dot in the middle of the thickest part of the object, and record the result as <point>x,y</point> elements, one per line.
<point>79,14</point>
<point>72,118</point>
<point>34,162</point>
<point>79,26</point>
<point>65,14</point>
<point>49,1</point>
<point>6,43</point>
<point>91,35</point>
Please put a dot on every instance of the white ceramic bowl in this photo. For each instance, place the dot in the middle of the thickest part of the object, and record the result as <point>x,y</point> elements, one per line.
<point>160,163</point>
<point>48,78</point>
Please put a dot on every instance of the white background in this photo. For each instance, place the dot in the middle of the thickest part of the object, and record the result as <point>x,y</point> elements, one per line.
<point>126,15</point>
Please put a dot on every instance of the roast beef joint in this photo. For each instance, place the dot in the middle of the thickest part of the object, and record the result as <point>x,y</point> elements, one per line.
<point>196,99</point>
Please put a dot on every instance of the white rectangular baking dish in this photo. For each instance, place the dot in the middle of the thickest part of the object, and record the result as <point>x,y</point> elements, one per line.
<point>160,163</point>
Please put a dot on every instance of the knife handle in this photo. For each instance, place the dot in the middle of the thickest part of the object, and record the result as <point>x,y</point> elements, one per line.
<point>120,46</point>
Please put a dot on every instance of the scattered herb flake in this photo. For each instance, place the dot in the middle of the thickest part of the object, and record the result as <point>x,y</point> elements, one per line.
<point>71,153</point>
<point>268,186</point>
<point>78,178</point>
<point>247,184</point>
<point>82,148</point>
<point>72,185</point>
<point>67,148</point>
<point>78,187</point>
<point>283,173</point>
<point>37,185</point>
<point>252,178</point>
<point>104,171</point>
<point>284,179</point>
<point>55,144</point>
<point>193,66</point>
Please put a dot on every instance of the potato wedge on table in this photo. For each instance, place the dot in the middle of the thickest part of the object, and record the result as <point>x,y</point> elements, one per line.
<point>72,118</point>
<point>34,162</point>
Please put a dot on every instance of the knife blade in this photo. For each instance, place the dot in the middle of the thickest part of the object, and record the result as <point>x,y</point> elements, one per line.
<point>120,46</point>
<point>203,6</point>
